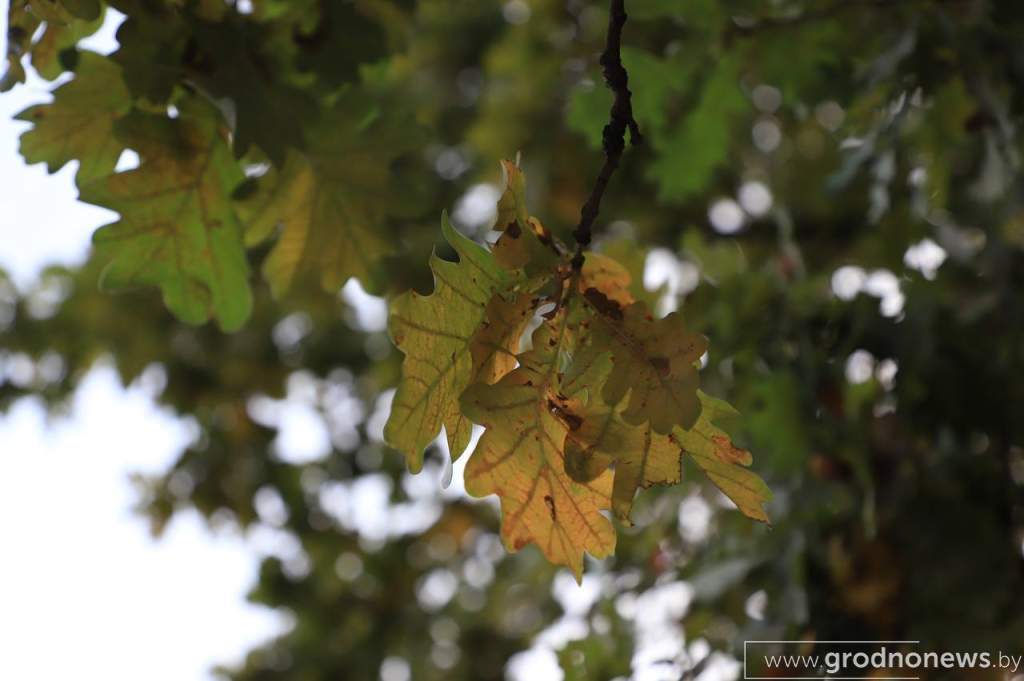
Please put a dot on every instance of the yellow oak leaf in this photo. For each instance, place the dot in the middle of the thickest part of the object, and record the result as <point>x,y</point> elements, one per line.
<point>521,456</point>
<point>723,462</point>
<point>643,457</point>
<point>653,360</point>
<point>496,343</point>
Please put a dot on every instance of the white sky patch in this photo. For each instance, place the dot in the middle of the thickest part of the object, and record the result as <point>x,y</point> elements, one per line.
<point>885,286</point>
<point>659,636</point>
<point>926,257</point>
<point>371,312</point>
<point>755,198</point>
<point>679,277</point>
<point>104,41</point>
<point>534,664</point>
<point>726,216</point>
<point>477,208</point>
<point>848,281</point>
<point>694,519</point>
<point>80,572</point>
<point>860,366</point>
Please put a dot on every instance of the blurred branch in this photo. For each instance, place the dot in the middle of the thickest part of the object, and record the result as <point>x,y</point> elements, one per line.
<point>614,136</point>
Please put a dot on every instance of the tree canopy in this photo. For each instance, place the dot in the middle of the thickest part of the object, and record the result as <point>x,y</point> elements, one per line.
<point>812,210</point>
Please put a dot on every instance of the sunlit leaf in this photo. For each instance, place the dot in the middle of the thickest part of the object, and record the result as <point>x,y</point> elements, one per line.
<point>496,343</point>
<point>653,360</point>
<point>435,333</point>
<point>79,124</point>
<point>330,203</point>
<point>642,457</point>
<point>725,464</point>
<point>521,457</point>
<point>178,229</point>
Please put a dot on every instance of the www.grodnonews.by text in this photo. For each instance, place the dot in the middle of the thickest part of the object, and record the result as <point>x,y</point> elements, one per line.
<point>902,663</point>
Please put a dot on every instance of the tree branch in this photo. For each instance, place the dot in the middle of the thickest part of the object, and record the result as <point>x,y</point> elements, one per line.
<point>614,136</point>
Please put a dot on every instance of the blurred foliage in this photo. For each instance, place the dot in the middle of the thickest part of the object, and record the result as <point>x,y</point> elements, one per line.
<point>802,157</point>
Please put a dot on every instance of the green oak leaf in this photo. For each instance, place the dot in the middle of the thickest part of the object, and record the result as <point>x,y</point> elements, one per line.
<point>329,203</point>
<point>22,25</point>
<point>435,333</point>
<point>79,124</point>
<point>267,110</point>
<point>689,152</point>
<point>178,229</point>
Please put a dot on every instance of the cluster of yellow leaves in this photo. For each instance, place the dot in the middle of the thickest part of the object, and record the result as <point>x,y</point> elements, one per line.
<point>601,400</point>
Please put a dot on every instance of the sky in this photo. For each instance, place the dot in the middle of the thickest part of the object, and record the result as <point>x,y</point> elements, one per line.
<point>85,592</point>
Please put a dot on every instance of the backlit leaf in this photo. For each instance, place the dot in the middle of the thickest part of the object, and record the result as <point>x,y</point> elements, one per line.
<point>725,464</point>
<point>331,201</point>
<point>521,457</point>
<point>496,343</point>
<point>524,242</point>
<point>79,124</point>
<point>642,457</point>
<point>435,333</point>
<point>652,359</point>
<point>178,229</point>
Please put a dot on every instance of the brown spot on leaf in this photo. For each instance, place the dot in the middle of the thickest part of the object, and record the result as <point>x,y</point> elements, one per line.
<point>661,365</point>
<point>513,230</point>
<point>551,506</point>
<point>603,303</point>
<point>570,419</point>
<point>728,452</point>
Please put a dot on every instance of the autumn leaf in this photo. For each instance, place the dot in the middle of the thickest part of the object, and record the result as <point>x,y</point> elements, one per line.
<point>641,457</point>
<point>653,360</point>
<point>496,343</point>
<point>79,123</point>
<point>54,50</point>
<point>435,333</point>
<point>178,229</point>
<point>521,456</point>
<point>606,275</point>
<point>725,464</point>
<point>524,242</point>
<point>331,201</point>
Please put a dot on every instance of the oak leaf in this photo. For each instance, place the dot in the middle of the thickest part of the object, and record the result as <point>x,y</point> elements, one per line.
<point>435,332</point>
<point>653,360</point>
<point>521,456</point>
<point>79,123</point>
<point>178,229</point>
<point>722,461</point>
<point>330,202</point>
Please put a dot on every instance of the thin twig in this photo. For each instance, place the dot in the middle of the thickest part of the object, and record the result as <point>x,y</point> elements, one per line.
<point>614,136</point>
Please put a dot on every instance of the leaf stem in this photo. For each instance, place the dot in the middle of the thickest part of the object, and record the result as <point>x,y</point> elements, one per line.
<point>614,135</point>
